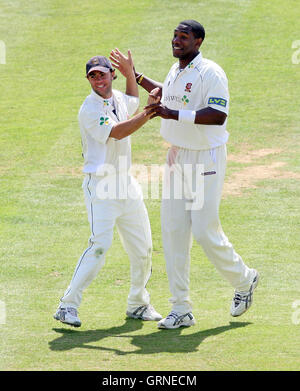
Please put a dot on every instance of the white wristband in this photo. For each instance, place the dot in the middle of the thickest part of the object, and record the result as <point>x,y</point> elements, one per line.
<point>187,116</point>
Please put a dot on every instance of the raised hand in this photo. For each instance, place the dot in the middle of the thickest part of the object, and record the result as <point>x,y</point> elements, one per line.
<point>121,62</point>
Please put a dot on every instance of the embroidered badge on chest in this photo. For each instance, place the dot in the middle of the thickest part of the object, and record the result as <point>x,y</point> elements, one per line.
<point>188,87</point>
<point>104,121</point>
<point>105,102</point>
<point>185,99</point>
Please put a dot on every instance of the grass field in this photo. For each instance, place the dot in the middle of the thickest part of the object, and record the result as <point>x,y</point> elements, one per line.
<point>43,223</point>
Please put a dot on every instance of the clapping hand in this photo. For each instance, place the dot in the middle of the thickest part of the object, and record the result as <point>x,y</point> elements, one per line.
<point>154,106</point>
<point>154,96</point>
<point>121,62</point>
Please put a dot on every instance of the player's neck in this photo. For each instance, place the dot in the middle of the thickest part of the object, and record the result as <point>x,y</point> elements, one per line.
<point>107,95</point>
<point>183,62</point>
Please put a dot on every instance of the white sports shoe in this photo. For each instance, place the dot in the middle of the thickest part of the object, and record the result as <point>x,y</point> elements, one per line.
<point>242,301</point>
<point>144,312</point>
<point>175,320</point>
<point>67,315</point>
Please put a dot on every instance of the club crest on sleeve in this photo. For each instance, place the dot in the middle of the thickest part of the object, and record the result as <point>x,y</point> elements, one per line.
<point>217,101</point>
<point>188,87</point>
<point>104,120</point>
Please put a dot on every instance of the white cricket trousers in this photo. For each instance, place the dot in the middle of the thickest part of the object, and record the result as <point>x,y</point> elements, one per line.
<point>131,219</point>
<point>181,223</point>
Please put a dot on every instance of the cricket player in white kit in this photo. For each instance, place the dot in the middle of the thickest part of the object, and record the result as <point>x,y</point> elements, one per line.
<point>194,107</point>
<point>112,196</point>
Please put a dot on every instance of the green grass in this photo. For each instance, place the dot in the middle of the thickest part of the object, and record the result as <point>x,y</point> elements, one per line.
<point>43,222</point>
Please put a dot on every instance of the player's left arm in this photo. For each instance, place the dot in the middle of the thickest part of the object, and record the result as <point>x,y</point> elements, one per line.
<point>125,66</point>
<point>206,116</point>
<point>216,99</point>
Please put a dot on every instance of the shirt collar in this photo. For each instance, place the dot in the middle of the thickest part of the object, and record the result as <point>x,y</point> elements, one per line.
<point>196,61</point>
<point>98,97</point>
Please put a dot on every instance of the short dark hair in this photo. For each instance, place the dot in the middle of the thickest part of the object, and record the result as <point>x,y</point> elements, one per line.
<point>196,28</point>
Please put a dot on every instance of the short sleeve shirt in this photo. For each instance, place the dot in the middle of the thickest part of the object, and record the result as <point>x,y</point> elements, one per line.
<point>97,116</point>
<point>201,84</point>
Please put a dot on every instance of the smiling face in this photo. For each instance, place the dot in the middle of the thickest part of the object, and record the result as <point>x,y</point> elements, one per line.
<point>184,44</point>
<point>101,83</point>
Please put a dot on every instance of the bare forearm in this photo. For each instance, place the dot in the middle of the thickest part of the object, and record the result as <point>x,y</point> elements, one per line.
<point>147,83</point>
<point>126,128</point>
<point>206,116</point>
<point>131,86</point>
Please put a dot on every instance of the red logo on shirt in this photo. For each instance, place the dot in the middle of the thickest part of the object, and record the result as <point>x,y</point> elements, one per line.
<point>188,87</point>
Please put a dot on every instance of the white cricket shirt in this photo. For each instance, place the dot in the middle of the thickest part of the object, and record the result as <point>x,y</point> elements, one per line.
<point>96,119</point>
<point>202,83</point>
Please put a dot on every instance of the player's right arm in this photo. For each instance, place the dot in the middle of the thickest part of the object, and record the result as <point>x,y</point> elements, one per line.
<point>147,83</point>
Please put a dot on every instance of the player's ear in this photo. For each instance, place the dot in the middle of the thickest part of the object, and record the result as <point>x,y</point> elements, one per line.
<point>114,76</point>
<point>199,42</point>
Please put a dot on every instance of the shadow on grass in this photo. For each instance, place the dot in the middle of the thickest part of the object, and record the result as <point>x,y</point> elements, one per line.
<point>171,341</point>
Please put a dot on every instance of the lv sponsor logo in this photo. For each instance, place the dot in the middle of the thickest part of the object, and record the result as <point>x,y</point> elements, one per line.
<point>217,101</point>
